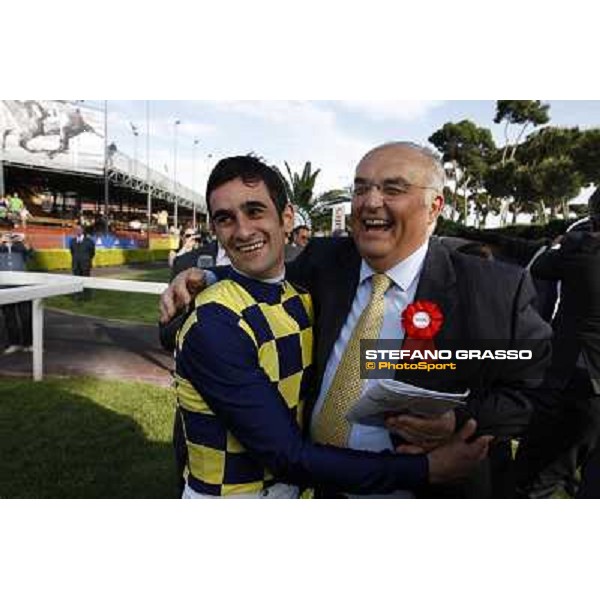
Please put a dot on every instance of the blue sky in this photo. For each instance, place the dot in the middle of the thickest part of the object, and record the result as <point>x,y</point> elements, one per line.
<point>331,134</point>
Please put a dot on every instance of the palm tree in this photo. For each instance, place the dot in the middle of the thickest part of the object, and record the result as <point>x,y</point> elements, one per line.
<point>300,191</point>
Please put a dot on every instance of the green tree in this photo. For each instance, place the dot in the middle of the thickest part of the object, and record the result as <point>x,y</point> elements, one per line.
<point>469,149</point>
<point>548,154</point>
<point>557,180</point>
<point>548,142</point>
<point>586,155</point>
<point>300,191</point>
<point>525,113</point>
<point>517,182</point>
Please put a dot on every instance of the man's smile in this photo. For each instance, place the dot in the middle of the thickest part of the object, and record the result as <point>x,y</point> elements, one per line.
<point>249,247</point>
<point>373,224</point>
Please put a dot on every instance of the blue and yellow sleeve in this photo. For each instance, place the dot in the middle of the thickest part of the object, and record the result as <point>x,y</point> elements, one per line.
<point>220,359</point>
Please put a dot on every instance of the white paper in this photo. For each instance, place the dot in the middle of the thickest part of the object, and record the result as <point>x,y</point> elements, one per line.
<point>390,396</point>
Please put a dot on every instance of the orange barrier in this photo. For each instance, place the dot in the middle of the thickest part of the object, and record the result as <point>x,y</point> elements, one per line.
<point>41,237</point>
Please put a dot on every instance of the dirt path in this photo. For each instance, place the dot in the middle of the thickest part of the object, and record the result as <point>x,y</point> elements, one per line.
<point>80,345</point>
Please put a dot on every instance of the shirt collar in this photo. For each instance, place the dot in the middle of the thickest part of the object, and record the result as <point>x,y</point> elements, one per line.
<point>268,291</point>
<point>403,273</point>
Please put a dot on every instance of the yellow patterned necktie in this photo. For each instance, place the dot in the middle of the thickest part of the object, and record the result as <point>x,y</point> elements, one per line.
<point>331,426</point>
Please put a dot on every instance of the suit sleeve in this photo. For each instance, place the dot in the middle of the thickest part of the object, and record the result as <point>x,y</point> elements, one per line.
<point>549,265</point>
<point>503,403</point>
<point>221,362</point>
<point>299,271</point>
<point>92,250</point>
<point>167,333</point>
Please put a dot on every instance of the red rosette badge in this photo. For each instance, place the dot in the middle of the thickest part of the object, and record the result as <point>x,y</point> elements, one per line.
<point>422,321</point>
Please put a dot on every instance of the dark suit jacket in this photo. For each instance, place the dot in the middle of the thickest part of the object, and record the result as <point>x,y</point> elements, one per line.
<point>82,254</point>
<point>480,300</point>
<point>576,264</point>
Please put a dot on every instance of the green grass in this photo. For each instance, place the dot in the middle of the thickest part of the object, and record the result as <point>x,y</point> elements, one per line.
<point>127,306</point>
<point>85,438</point>
<point>161,275</point>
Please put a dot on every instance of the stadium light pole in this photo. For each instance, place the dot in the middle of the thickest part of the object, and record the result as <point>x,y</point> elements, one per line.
<point>149,200</point>
<point>135,132</point>
<point>106,167</point>
<point>194,183</point>
<point>177,122</point>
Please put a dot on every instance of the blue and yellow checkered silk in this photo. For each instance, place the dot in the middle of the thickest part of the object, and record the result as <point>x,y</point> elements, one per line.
<point>280,328</point>
<point>331,426</point>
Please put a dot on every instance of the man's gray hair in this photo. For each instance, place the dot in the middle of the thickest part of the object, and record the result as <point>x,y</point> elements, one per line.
<point>437,178</point>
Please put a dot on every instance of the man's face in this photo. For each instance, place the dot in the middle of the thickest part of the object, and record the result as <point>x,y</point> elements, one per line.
<point>78,231</point>
<point>246,223</point>
<point>391,221</point>
<point>190,237</point>
<point>302,237</point>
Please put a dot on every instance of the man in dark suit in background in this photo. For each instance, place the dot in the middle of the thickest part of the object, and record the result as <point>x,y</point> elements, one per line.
<point>397,199</point>
<point>299,240</point>
<point>566,427</point>
<point>83,251</point>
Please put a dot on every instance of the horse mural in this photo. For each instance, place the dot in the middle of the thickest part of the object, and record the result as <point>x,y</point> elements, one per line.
<point>31,119</point>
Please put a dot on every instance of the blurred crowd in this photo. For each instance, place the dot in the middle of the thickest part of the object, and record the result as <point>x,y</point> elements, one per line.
<point>13,210</point>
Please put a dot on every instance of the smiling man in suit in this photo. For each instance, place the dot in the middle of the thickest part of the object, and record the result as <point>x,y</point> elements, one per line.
<point>398,195</point>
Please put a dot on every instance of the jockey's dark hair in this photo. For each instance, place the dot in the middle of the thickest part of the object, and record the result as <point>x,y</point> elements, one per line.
<point>250,169</point>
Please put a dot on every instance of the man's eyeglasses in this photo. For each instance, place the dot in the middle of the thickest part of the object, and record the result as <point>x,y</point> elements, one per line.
<point>389,188</point>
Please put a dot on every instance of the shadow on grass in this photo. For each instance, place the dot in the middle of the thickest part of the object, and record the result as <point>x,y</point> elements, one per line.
<point>137,342</point>
<point>64,445</point>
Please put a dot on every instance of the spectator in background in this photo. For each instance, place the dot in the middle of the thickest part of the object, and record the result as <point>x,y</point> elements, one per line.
<point>14,253</point>
<point>100,224</point>
<point>162,220</point>
<point>83,251</point>
<point>135,225</point>
<point>15,206</point>
<point>3,209</point>
<point>300,238</point>
<point>190,240</point>
<point>24,215</point>
<point>566,428</point>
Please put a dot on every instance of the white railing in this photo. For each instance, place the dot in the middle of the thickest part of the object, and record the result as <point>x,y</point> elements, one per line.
<point>35,287</point>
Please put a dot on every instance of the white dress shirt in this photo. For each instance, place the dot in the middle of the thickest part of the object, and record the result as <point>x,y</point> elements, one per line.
<point>405,277</point>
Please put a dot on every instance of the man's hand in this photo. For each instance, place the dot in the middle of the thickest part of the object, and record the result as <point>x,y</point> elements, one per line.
<point>425,433</point>
<point>457,458</point>
<point>182,290</point>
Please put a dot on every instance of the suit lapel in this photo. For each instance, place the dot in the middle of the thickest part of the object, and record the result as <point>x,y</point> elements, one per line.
<point>438,284</point>
<point>337,299</point>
